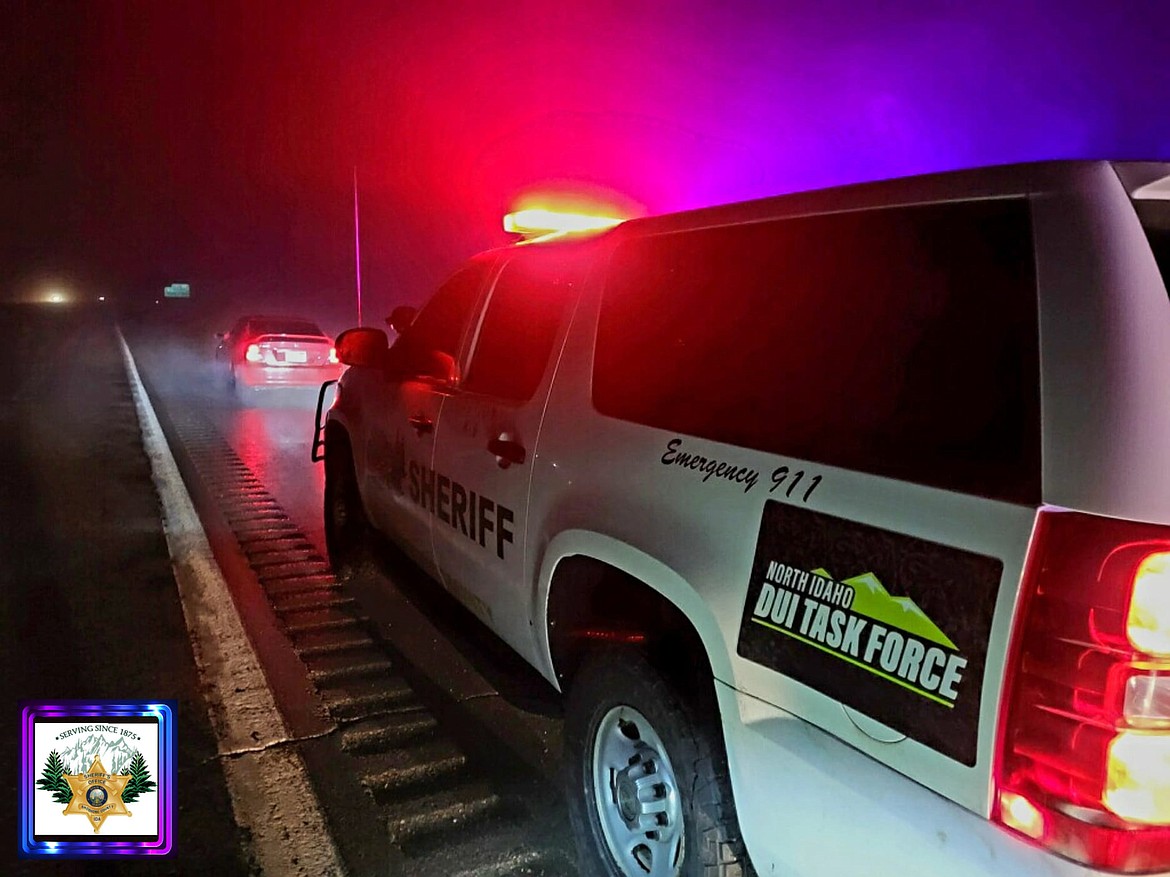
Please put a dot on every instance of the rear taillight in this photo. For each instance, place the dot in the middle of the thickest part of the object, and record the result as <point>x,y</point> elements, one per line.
<point>333,360</point>
<point>252,354</point>
<point>1083,764</point>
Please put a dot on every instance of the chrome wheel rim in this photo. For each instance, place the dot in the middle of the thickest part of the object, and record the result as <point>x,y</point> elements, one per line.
<point>636,796</point>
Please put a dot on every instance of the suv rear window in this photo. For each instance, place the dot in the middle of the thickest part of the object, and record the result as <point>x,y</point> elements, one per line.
<point>900,342</point>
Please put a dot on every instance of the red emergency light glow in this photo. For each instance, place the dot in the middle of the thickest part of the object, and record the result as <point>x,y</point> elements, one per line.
<point>537,220</point>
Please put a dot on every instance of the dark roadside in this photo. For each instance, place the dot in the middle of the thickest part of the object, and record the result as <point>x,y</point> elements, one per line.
<point>88,604</point>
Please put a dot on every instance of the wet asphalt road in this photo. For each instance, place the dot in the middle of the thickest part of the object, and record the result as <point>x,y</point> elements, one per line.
<point>434,749</point>
<point>88,605</point>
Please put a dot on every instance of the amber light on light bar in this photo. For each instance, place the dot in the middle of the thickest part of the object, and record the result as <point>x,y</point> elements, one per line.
<point>540,221</point>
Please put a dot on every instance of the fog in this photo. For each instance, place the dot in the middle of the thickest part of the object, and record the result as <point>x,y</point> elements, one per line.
<point>217,144</point>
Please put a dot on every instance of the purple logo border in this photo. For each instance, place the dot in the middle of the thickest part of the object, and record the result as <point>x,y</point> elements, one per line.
<point>164,711</point>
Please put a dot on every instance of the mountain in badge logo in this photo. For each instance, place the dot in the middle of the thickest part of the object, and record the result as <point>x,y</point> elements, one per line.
<point>113,751</point>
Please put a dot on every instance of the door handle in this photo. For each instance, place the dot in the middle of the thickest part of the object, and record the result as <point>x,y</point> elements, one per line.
<point>506,451</point>
<point>421,423</point>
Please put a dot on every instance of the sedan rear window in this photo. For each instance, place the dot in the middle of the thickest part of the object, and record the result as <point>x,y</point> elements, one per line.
<point>283,327</point>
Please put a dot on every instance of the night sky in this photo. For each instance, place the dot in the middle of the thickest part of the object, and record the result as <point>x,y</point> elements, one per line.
<point>142,143</point>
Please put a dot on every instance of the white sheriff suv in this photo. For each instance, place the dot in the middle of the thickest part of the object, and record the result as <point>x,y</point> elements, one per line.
<point>842,517</point>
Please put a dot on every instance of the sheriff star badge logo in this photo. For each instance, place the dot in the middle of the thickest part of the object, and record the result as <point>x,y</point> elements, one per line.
<point>97,794</point>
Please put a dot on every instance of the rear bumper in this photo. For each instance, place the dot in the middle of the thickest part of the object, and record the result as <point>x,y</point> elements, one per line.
<point>811,806</point>
<point>258,376</point>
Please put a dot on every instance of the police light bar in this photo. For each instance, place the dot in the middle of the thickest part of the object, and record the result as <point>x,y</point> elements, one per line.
<point>539,221</point>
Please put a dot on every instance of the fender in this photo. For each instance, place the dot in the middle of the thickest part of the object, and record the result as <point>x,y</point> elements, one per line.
<point>639,565</point>
<point>335,417</point>
<point>341,413</point>
<point>346,417</point>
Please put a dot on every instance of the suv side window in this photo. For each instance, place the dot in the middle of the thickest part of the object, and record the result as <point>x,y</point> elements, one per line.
<point>901,342</point>
<point>442,321</point>
<point>527,307</point>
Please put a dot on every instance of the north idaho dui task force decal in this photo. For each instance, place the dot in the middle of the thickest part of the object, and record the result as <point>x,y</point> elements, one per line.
<point>893,626</point>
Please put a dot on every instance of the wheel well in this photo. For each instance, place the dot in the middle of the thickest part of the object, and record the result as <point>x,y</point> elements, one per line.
<point>336,440</point>
<point>592,604</point>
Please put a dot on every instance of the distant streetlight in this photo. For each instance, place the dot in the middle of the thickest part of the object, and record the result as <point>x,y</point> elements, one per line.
<point>357,247</point>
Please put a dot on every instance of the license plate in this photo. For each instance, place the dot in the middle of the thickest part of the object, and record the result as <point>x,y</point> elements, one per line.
<point>296,356</point>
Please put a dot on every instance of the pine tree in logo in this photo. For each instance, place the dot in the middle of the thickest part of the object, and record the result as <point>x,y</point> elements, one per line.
<point>52,779</point>
<point>140,781</point>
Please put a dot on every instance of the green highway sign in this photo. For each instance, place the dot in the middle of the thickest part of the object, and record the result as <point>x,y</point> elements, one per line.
<point>177,290</point>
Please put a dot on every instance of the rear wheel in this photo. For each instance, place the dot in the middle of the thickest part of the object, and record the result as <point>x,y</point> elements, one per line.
<point>648,790</point>
<point>347,529</point>
<point>239,390</point>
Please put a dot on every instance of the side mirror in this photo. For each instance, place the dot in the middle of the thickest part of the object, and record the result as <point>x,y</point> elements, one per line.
<point>401,317</point>
<point>362,346</point>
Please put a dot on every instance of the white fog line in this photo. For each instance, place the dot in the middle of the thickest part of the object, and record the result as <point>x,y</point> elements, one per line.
<point>271,794</point>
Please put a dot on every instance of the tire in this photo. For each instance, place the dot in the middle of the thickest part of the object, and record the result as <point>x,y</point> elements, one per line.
<point>240,392</point>
<point>347,530</point>
<point>625,721</point>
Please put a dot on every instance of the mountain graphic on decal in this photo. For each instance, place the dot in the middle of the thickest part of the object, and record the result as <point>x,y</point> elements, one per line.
<point>871,599</point>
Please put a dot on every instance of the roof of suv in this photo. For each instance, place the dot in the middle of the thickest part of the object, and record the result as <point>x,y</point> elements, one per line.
<point>977,182</point>
<point>987,181</point>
